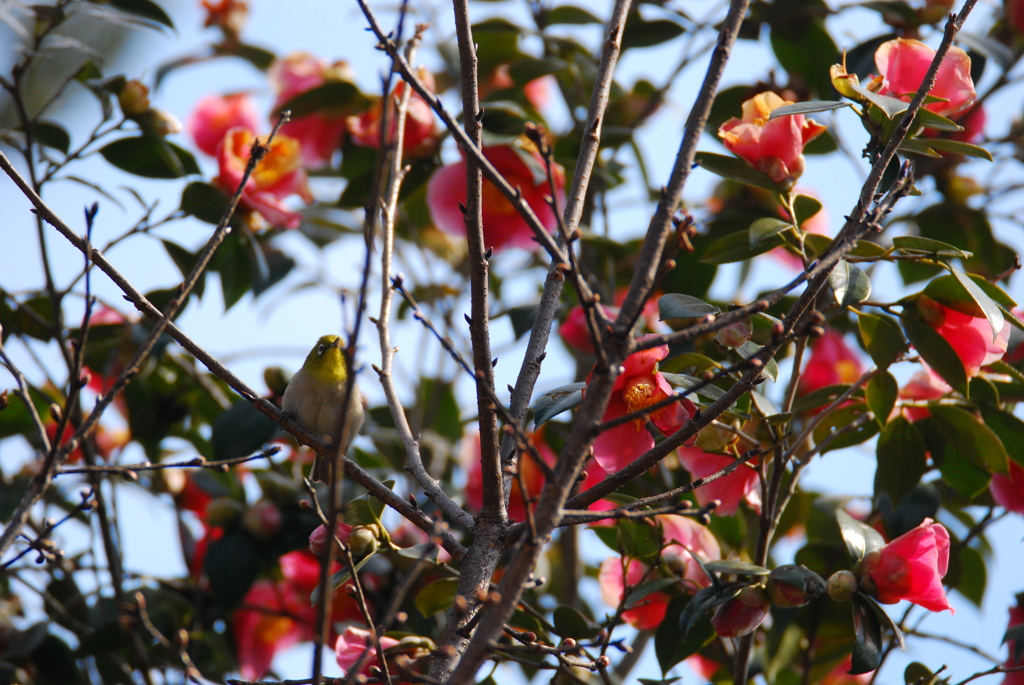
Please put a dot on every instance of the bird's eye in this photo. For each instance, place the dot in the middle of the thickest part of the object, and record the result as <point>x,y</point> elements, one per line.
<point>320,349</point>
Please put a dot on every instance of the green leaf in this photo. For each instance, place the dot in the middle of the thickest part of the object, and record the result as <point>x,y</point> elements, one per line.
<point>527,69</point>
<point>637,540</point>
<point>569,14</point>
<point>960,148</point>
<point>807,107</point>
<point>918,146</point>
<point>867,646</point>
<point>53,135</point>
<point>436,596</point>
<point>882,338</point>
<point>147,9</point>
<point>679,380</point>
<point>522,319</point>
<point>901,459</point>
<point>1008,428</point>
<point>934,349</point>
<point>888,105</point>
<point>765,228</point>
<point>958,470</point>
<point>639,33</point>
<point>639,594</point>
<point>337,96</point>
<point>860,538</point>
<point>150,157</point>
<point>838,421</point>
<point>972,438</point>
<point>736,567</point>
<point>672,643</point>
<point>912,244</point>
<point>735,247</point>
<point>881,393</point>
<point>338,579</point>
<point>749,350</point>
<point>805,207</point>
<point>569,622</point>
<point>849,283</point>
<point>204,201</point>
<point>988,307</point>
<point>734,169</point>
<point>240,430</point>
<point>679,306</point>
<point>968,574</point>
<point>554,402</point>
<point>260,58</point>
<point>820,397</point>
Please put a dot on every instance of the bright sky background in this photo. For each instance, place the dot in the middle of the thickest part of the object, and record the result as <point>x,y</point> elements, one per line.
<point>252,336</point>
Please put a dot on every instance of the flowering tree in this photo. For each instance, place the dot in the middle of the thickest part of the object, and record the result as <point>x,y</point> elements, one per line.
<point>696,409</point>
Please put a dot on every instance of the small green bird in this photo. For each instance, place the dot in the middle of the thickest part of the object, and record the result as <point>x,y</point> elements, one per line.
<point>314,396</point>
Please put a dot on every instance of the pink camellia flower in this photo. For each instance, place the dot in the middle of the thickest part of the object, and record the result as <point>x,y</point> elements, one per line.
<point>923,386</point>
<point>742,484</point>
<point>215,115</point>
<point>503,226</point>
<point>318,538</point>
<point>353,643</point>
<point>276,177</point>
<point>773,147</point>
<point>1008,490</point>
<point>228,15</point>
<point>574,330</point>
<point>537,92</point>
<point>910,567</point>
<point>265,625</point>
<point>420,136</point>
<point>969,336</point>
<point>903,64</point>
<point>743,613</point>
<point>1016,646</point>
<point>638,386</point>
<point>319,134</point>
<point>832,362</point>
<point>678,534</point>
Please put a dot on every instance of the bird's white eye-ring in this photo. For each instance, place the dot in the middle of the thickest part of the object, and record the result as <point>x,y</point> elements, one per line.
<point>320,349</point>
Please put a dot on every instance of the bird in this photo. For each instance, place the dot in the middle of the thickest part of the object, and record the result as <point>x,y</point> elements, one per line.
<point>315,395</point>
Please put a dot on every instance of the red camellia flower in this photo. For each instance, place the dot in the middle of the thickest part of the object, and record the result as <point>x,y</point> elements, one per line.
<point>650,611</point>
<point>319,134</point>
<point>773,147</point>
<point>574,330</point>
<point>743,613</point>
<point>1008,490</point>
<point>276,177</point>
<point>228,15</point>
<point>266,624</point>
<point>903,64</point>
<point>969,336</point>
<point>503,226</point>
<point>353,643</point>
<point>215,115</point>
<point>910,567</point>
<point>318,538</point>
<point>420,135</point>
<point>832,362</point>
<point>741,484</point>
<point>923,386</point>
<point>1016,646</point>
<point>638,386</point>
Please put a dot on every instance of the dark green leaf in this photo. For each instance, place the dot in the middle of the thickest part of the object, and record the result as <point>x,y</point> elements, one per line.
<point>52,134</point>
<point>885,620</point>
<point>882,338</point>
<point>805,207</point>
<point>807,107</point>
<point>867,647</point>
<point>338,579</point>
<point>887,104</point>
<point>150,157</point>
<point>571,623</point>
<point>241,430</point>
<point>568,14</point>
<point>849,283</point>
<point>440,408</point>
<point>972,438</point>
<point>803,46</point>
<point>735,247</point>
<point>901,459</point>
<point>934,349</point>
<point>749,350</point>
<point>1008,428</point>
<point>55,663</point>
<point>637,540</point>
<point>337,96</point>
<point>679,306</point>
<point>960,148</point>
<point>820,397</point>
<point>734,169</point>
<point>437,596</point>
<point>765,228</point>
<point>679,380</point>
<point>231,564</point>
<point>958,470</point>
<point>204,201</point>
<point>554,402</point>
<point>528,69</point>
<point>912,244</point>
<point>673,644</point>
<point>147,9</point>
<point>860,538</point>
<point>639,594</point>
<point>260,58</point>
<point>522,319</point>
<point>736,567</point>
<point>644,34</point>
<point>881,393</point>
<point>968,574</point>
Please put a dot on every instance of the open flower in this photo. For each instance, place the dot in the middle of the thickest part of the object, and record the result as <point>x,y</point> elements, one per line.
<point>923,386</point>
<point>638,386</point>
<point>420,135</point>
<point>649,612</point>
<point>910,567</point>
<point>574,330</point>
<point>264,625</point>
<point>903,64</point>
<point>503,226</point>
<point>1008,490</point>
<point>318,134</point>
<point>215,115</point>
<point>773,147</point>
<point>832,362</point>
<point>969,336</point>
<point>742,484</point>
<point>276,177</point>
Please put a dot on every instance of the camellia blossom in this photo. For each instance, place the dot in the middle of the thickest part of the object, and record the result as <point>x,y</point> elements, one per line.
<point>354,642</point>
<point>638,386</point>
<point>276,177</point>
<point>923,386</point>
<point>215,115</point>
<point>910,567</point>
<point>969,336</point>
<point>903,64</point>
<point>574,330</point>
<point>502,225</point>
<point>420,136</point>
<point>832,362</point>
<point>1016,645</point>
<point>773,147</point>
<point>1008,490</point>
<point>265,625</point>
<point>650,611</point>
<point>318,134</point>
<point>742,484</point>
<point>743,613</point>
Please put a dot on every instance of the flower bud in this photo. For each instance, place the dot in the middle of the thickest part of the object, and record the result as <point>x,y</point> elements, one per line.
<point>318,538</point>
<point>133,98</point>
<point>842,81</point>
<point>262,519</point>
<point>224,512</point>
<point>842,586</point>
<point>743,613</point>
<point>793,586</point>
<point>735,334</point>
<point>276,379</point>
<point>363,541</point>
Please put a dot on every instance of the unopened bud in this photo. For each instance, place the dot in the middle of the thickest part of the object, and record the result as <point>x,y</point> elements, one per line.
<point>318,538</point>
<point>735,334</point>
<point>793,586</point>
<point>224,512</point>
<point>262,519</point>
<point>743,613</point>
<point>363,542</point>
<point>133,98</point>
<point>841,586</point>
<point>276,379</point>
<point>55,412</point>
